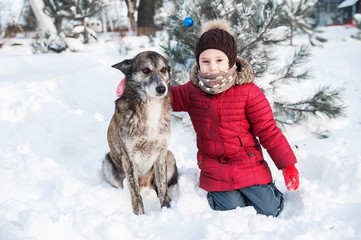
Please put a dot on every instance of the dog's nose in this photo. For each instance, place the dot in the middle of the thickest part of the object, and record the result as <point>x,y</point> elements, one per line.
<point>160,89</point>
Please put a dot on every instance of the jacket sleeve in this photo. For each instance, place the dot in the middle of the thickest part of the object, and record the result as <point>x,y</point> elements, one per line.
<point>260,116</point>
<point>180,97</point>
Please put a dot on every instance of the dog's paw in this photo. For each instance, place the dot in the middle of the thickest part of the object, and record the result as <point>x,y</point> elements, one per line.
<point>165,204</point>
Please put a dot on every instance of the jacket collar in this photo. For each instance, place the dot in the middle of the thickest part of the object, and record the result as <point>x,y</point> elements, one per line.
<point>245,73</point>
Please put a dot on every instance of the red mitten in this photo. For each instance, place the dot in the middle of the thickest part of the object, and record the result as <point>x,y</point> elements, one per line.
<point>291,176</point>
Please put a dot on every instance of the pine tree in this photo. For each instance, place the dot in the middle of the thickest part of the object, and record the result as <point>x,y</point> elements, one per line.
<point>77,10</point>
<point>58,10</point>
<point>258,30</point>
<point>83,9</point>
<point>296,15</point>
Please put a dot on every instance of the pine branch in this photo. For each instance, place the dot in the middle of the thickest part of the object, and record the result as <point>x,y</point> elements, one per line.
<point>300,56</point>
<point>259,38</point>
<point>296,14</point>
<point>326,101</point>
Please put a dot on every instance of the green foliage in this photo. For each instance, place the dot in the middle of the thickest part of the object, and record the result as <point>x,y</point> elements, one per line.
<point>72,9</point>
<point>48,43</point>
<point>58,10</point>
<point>325,101</point>
<point>297,15</point>
<point>288,72</point>
<point>86,8</point>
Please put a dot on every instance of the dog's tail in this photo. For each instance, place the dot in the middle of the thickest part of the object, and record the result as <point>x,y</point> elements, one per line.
<point>113,175</point>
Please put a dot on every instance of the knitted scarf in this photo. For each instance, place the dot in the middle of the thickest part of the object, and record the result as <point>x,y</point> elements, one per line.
<point>217,82</point>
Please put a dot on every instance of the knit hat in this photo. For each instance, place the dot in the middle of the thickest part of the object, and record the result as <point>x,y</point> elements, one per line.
<point>217,34</point>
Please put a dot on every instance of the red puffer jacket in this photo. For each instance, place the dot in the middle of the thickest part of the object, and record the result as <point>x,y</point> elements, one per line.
<point>229,155</point>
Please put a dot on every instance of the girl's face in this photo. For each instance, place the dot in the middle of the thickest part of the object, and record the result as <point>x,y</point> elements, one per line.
<point>213,61</point>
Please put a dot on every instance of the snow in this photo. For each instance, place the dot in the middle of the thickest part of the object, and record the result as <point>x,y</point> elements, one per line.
<point>347,3</point>
<point>357,18</point>
<point>54,114</point>
<point>9,11</point>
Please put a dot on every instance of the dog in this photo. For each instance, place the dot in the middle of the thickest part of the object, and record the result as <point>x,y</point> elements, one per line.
<point>139,131</point>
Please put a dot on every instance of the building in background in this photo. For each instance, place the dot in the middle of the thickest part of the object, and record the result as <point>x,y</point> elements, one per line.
<point>335,12</point>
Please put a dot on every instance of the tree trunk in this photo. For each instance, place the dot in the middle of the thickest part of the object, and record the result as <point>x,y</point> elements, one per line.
<point>58,23</point>
<point>46,23</point>
<point>291,35</point>
<point>132,7</point>
<point>133,26</point>
<point>86,35</point>
<point>146,13</point>
<point>104,20</point>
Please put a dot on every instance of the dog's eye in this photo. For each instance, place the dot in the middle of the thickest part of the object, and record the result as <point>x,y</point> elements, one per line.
<point>146,70</point>
<point>163,70</point>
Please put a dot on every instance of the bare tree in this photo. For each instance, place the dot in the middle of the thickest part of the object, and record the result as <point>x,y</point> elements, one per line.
<point>84,9</point>
<point>132,7</point>
<point>58,10</point>
<point>146,13</point>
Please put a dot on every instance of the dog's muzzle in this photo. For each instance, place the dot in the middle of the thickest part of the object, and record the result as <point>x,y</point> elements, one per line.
<point>160,90</point>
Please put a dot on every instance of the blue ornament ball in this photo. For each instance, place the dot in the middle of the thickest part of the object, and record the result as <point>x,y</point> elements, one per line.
<point>188,22</point>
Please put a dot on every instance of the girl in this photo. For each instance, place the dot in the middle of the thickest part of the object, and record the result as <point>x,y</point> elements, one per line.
<point>228,111</point>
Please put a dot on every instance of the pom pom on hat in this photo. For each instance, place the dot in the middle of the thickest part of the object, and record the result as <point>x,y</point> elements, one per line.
<point>217,23</point>
<point>217,34</point>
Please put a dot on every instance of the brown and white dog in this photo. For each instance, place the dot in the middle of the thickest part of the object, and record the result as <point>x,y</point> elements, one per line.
<point>139,131</point>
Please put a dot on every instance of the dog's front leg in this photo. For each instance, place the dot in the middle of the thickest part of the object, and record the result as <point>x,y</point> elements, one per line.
<point>160,170</point>
<point>132,177</point>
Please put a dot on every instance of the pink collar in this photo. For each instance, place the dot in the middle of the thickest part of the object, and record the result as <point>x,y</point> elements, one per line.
<point>120,88</point>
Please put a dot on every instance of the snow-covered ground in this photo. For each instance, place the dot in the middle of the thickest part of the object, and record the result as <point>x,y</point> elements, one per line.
<point>54,114</point>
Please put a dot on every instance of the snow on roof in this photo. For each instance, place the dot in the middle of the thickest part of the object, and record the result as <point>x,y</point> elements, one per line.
<point>347,3</point>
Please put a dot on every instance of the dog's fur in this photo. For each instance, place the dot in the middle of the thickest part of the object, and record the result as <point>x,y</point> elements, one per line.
<point>139,131</point>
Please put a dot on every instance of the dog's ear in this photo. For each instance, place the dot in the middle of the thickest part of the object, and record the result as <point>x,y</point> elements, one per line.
<point>124,66</point>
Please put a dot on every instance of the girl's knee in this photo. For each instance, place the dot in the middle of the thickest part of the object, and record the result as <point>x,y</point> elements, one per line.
<point>274,209</point>
<point>274,203</point>
<point>225,200</point>
<point>266,199</point>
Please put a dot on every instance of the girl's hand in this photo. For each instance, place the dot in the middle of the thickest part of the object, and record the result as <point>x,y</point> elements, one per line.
<point>291,176</point>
